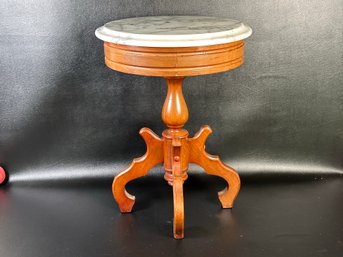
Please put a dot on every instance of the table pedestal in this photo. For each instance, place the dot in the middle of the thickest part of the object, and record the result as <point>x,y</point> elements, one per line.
<point>175,150</point>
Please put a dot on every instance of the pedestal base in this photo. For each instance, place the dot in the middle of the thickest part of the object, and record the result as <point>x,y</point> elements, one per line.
<point>176,150</point>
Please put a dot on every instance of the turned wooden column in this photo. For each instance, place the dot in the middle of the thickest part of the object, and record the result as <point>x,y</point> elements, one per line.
<point>174,47</point>
<point>176,153</point>
<point>175,115</point>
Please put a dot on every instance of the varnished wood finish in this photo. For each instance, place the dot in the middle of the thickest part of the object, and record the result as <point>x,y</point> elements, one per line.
<point>175,149</point>
<point>178,224</point>
<point>172,140</point>
<point>176,154</point>
<point>174,111</point>
<point>214,166</point>
<point>138,168</point>
<point>174,62</point>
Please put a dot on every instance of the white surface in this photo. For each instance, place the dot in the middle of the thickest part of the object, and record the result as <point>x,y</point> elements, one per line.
<point>173,31</point>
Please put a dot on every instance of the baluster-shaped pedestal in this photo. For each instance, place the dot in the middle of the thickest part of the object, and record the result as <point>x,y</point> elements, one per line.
<point>175,150</point>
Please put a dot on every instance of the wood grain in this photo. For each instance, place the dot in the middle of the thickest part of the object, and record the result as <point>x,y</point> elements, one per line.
<point>138,168</point>
<point>174,62</point>
<point>214,166</point>
<point>175,149</point>
<point>174,111</point>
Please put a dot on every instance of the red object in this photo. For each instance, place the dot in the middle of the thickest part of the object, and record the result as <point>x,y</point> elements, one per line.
<point>2,175</point>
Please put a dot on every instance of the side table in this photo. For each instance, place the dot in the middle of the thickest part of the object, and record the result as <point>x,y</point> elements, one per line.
<point>174,47</point>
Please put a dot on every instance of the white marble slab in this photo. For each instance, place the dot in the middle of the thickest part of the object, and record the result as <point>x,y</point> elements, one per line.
<point>173,31</point>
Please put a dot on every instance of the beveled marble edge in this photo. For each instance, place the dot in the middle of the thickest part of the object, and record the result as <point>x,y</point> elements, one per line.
<point>149,40</point>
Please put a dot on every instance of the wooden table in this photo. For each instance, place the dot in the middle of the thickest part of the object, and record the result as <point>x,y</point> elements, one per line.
<point>174,47</point>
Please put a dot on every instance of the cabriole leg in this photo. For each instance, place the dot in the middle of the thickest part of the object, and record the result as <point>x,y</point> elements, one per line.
<point>138,168</point>
<point>214,166</point>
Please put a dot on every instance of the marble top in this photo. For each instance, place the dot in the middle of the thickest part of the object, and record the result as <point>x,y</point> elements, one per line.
<point>173,31</point>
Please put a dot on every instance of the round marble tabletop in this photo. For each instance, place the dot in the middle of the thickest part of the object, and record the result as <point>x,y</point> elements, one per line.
<point>173,31</point>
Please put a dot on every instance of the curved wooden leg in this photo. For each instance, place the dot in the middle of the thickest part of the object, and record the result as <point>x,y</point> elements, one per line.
<point>138,168</point>
<point>178,226</point>
<point>214,166</point>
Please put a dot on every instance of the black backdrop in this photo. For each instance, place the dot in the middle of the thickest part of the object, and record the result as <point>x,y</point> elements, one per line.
<point>65,116</point>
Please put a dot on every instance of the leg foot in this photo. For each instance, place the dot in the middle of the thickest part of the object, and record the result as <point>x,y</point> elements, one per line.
<point>138,168</point>
<point>214,166</point>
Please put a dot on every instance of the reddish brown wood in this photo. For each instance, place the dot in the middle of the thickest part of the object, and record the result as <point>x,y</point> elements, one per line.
<point>174,111</point>
<point>174,61</point>
<point>213,166</point>
<point>178,179</point>
<point>138,168</point>
<point>174,138</point>
<point>175,149</point>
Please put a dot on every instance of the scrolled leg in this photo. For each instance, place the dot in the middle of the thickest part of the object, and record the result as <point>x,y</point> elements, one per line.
<point>214,166</point>
<point>178,226</point>
<point>138,168</point>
